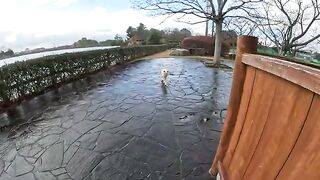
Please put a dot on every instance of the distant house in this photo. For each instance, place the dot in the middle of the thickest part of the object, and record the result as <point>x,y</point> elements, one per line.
<point>230,37</point>
<point>136,41</point>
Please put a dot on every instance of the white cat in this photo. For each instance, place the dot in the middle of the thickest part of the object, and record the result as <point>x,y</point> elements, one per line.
<point>164,75</point>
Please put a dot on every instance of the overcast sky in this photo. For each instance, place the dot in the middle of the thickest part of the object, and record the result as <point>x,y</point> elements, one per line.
<point>49,23</point>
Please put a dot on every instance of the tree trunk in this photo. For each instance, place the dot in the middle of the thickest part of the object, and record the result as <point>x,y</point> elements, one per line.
<point>212,29</point>
<point>207,26</point>
<point>217,46</point>
<point>284,50</point>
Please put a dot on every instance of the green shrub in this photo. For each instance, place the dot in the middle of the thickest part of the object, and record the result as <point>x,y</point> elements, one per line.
<point>22,79</point>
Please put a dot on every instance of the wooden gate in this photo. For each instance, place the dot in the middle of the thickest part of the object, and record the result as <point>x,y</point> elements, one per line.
<point>272,128</point>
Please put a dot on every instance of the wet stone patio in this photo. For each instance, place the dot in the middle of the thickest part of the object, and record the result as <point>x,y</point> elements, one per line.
<point>123,125</point>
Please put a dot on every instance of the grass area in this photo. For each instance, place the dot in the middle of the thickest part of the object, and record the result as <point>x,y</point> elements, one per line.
<point>273,53</point>
<point>315,64</point>
<point>267,51</point>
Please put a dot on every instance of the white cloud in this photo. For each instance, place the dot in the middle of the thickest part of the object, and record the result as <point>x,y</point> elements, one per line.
<point>36,23</point>
<point>39,20</point>
<point>65,3</point>
<point>11,38</point>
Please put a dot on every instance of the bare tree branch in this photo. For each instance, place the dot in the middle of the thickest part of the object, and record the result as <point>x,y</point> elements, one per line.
<point>290,23</point>
<point>215,10</point>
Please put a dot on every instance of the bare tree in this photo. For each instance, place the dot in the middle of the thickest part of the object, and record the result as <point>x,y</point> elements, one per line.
<point>241,26</point>
<point>218,11</point>
<point>289,24</point>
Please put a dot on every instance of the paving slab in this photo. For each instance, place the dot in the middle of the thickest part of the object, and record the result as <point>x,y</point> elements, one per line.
<point>121,126</point>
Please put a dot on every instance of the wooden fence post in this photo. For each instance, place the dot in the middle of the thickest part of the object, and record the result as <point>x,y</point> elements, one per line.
<point>245,44</point>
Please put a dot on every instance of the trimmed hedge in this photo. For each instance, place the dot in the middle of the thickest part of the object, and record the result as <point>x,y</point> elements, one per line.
<point>27,78</point>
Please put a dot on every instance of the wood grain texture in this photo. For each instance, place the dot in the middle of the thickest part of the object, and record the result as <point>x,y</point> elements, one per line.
<point>245,100</point>
<point>262,98</point>
<point>304,160</point>
<point>222,172</point>
<point>304,76</point>
<point>245,44</point>
<point>272,128</point>
<point>286,117</point>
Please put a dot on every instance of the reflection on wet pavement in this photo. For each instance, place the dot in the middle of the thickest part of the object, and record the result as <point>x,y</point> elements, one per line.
<point>124,125</point>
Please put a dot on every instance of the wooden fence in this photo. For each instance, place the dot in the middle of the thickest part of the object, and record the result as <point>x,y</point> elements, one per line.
<point>272,127</point>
